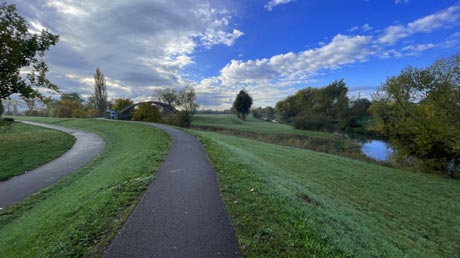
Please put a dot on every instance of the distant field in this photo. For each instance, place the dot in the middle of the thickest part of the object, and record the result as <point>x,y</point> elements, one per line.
<point>289,202</point>
<point>252,125</point>
<point>77,216</point>
<point>25,147</point>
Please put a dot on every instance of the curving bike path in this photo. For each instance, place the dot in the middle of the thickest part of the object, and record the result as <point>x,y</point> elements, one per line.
<point>182,213</point>
<point>87,146</point>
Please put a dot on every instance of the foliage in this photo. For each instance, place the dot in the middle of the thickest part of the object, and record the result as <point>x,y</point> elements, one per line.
<point>168,96</point>
<point>70,108</point>
<point>91,113</point>
<point>72,96</point>
<point>269,112</point>
<point>256,112</point>
<point>181,118</point>
<point>317,109</point>
<point>289,202</point>
<point>91,103</point>
<point>419,110</point>
<point>21,48</point>
<point>2,109</point>
<point>25,147</point>
<point>146,112</point>
<point>80,214</point>
<point>121,103</point>
<point>242,104</point>
<point>186,99</point>
<point>100,92</point>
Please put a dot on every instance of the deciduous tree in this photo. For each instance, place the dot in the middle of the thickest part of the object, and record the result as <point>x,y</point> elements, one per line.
<point>419,110</point>
<point>242,104</point>
<point>186,99</point>
<point>20,49</point>
<point>121,103</point>
<point>146,112</point>
<point>100,92</point>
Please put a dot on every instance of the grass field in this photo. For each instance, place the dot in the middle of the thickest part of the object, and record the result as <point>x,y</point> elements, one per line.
<point>78,215</point>
<point>25,147</point>
<point>252,125</point>
<point>289,202</point>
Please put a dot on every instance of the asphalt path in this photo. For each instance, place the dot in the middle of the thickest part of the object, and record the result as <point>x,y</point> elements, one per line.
<point>87,146</point>
<point>182,213</point>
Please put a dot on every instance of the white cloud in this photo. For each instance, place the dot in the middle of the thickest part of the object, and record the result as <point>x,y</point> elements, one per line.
<point>364,28</point>
<point>445,18</point>
<point>139,44</point>
<point>272,3</point>
<point>212,37</point>
<point>297,67</point>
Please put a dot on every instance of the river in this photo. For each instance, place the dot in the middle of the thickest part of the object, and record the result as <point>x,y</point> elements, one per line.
<point>377,149</point>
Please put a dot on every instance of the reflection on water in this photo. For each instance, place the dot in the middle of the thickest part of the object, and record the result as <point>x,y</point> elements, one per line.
<point>377,149</point>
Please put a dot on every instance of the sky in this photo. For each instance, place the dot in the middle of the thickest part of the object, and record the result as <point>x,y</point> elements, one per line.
<point>270,48</point>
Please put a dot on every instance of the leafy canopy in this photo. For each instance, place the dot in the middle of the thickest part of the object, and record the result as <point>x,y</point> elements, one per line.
<point>242,104</point>
<point>419,110</point>
<point>22,49</point>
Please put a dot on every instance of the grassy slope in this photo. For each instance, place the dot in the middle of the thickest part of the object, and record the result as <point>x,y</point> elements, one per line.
<point>25,147</point>
<point>288,202</point>
<point>252,125</point>
<point>79,214</point>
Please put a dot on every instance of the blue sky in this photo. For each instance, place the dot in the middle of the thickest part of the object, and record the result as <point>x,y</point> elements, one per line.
<point>271,48</point>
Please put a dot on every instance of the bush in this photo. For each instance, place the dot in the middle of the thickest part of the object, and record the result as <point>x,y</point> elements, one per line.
<point>313,122</point>
<point>5,124</point>
<point>182,119</point>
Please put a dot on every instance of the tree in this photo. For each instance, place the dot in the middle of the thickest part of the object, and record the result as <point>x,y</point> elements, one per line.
<point>121,103</point>
<point>100,92</point>
<point>256,113</point>
<point>72,96</point>
<point>242,104</point>
<point>70,106</point>
<point>186,99</point>
<point>270,112</point>
<point>146,112</point>
<point>168,96</point>
<point>419,111</point>
<point>19,49</point>
<point>317,108</point>
<point>30,102</point>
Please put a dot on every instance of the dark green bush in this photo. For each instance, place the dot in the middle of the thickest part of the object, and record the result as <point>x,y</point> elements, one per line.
<point>8,119</point>
<point>182,119</point>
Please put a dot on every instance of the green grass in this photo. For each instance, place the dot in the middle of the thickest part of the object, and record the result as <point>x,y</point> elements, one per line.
<point>289,202</point>
<point>77,216</point>
<point>25,147</point>
<point>252,125</point>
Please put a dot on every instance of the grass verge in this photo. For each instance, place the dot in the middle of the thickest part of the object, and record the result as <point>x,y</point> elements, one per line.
<point>253,125</point>
<point>25,147</point>
<point>77,216</point>
<point>289,202</point>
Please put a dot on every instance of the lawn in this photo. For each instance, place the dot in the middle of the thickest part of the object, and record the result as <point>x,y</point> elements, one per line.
<point>25,147</point>
<point>77,216</point>
<point>252,125</point>
<point>290,202</point>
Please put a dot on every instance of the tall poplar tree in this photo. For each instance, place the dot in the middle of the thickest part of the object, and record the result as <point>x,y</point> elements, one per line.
<point>100,92</point>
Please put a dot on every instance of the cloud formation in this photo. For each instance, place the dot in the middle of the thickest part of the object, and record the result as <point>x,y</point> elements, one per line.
<point>272,76</point>
<point>140,43</point>
<point>272,3</point>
